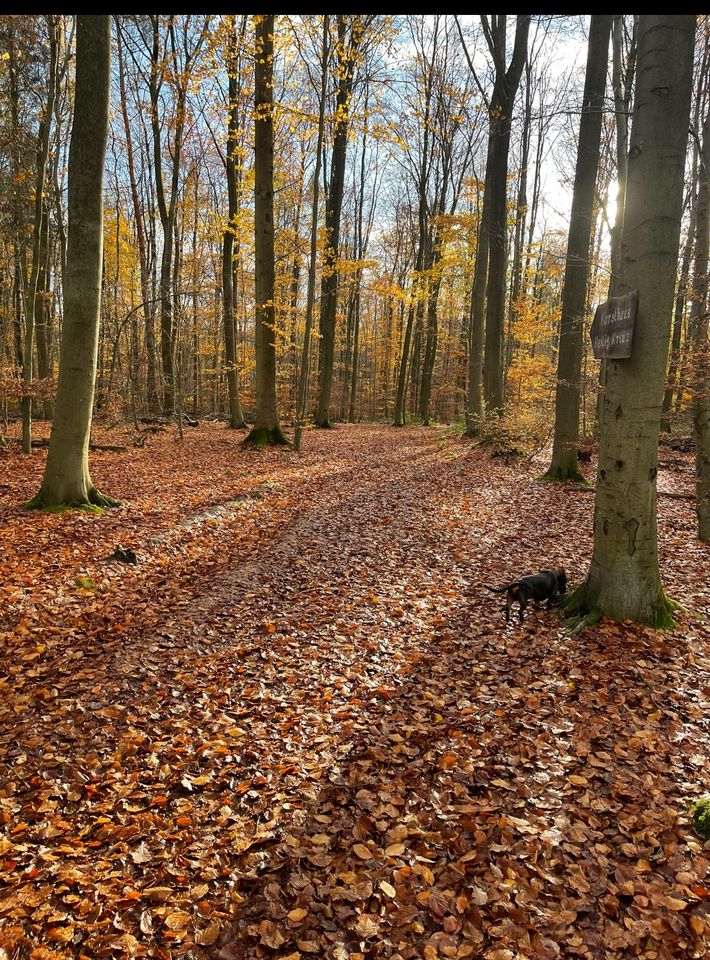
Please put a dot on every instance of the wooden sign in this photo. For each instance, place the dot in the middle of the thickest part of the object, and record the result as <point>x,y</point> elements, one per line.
<point>612,330</point>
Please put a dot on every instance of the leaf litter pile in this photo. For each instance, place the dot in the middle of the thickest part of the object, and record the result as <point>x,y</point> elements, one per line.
<point>300,727</point>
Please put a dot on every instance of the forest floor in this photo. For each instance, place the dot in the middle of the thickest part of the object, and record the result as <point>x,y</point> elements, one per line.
<point>300,727</point>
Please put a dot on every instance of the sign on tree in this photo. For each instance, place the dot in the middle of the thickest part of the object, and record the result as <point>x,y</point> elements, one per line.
<point>612,330</point>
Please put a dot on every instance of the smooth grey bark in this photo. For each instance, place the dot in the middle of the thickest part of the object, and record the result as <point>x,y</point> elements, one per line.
<point>574,293</point>
<point>624,581</point>
<point>67,480</point>
<point>266,425</point>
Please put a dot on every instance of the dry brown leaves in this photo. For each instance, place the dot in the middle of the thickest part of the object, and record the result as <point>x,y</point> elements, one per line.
<point>301,728</point>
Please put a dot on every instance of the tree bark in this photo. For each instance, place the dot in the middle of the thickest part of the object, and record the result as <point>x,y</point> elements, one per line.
<point>699,330</point>
<point>574,294</point>
<point>236,417</point>
<point>40,211</point>
<point>329,286</point>
<point>66,477</point>
<point>302,393</point>
<point>266,426</point>
<point>501,107</point>
<point>624,581</point>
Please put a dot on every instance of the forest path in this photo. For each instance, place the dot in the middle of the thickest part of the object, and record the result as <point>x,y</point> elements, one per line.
<point>301,727</point>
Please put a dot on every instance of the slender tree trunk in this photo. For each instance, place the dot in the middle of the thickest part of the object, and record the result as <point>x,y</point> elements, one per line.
<point>574,294</point>
<point>40,211</point>
<point>66,477</point>
<point>302,394</point>
<point>236,417</point>
<point>699,328</point>
<point>500,114</point>
<point>266,427</point>
<point>474,405</point>
<point>329,286</point>
<point>146,293</point>
<point>624,578</point>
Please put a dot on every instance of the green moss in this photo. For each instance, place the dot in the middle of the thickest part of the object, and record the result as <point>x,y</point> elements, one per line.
<point>701,816</point>
<point>261,437</point>
<point>559,475</point>
<point>662,613</point>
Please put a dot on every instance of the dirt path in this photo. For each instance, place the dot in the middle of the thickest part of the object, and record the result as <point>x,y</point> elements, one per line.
<point>314,734</point>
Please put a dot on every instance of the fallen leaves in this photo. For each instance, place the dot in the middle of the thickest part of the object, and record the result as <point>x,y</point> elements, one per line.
<point>313,736</point>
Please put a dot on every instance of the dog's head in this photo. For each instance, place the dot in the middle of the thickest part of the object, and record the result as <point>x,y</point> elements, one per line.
<point>562,581</point>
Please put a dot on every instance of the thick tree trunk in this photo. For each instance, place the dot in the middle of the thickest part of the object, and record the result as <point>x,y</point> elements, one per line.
<point>266,426</point>
<point>574,294</point>
<point>66,477</point>
<point>624,578</point>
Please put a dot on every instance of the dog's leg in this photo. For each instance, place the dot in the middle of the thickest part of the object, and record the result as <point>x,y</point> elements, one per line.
<point>508,603</point>
<point>523,604</point>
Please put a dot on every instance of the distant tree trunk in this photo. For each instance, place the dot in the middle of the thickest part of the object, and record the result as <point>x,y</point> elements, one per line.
<point>474,404</point>
<point>432,335</point>
<point>699,332</point>
<point>673,380</point>
<point>266,427</point>
<point>574,294</point>
<point>329,286</point>
<point>236,417</point>
<point>146,293</point>
<point>302,394</point>
<point>40,211</point>
<point>624,578</point>
<point>400,399</point>
<point>66,477</point>
<point>500,115</point>
<point>679,311</point>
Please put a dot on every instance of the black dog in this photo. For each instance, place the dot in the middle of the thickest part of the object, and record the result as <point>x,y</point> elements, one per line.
<point>546,585</point>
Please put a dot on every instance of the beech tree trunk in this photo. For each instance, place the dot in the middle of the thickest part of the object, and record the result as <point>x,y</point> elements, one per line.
<point>624,581</point>
<point>266,426</point>
<point>574,294</point>
<point>66,477</point>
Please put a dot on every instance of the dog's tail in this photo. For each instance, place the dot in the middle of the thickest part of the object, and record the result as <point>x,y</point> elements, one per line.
<point>498,589</point>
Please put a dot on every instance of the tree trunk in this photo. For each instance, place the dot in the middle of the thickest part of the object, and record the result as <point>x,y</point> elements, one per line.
<point>40,213</point>
<point>699,328</point>
<point>329,286</point>
<point>624,578</point>
<point>266,426</point>
<point>500,114</point>
<point>574,294</point>
<point>302,393</point>
<point>146,293</point>
<point>66,477</point>
<point>236,417</point>
<point>474,403</point>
